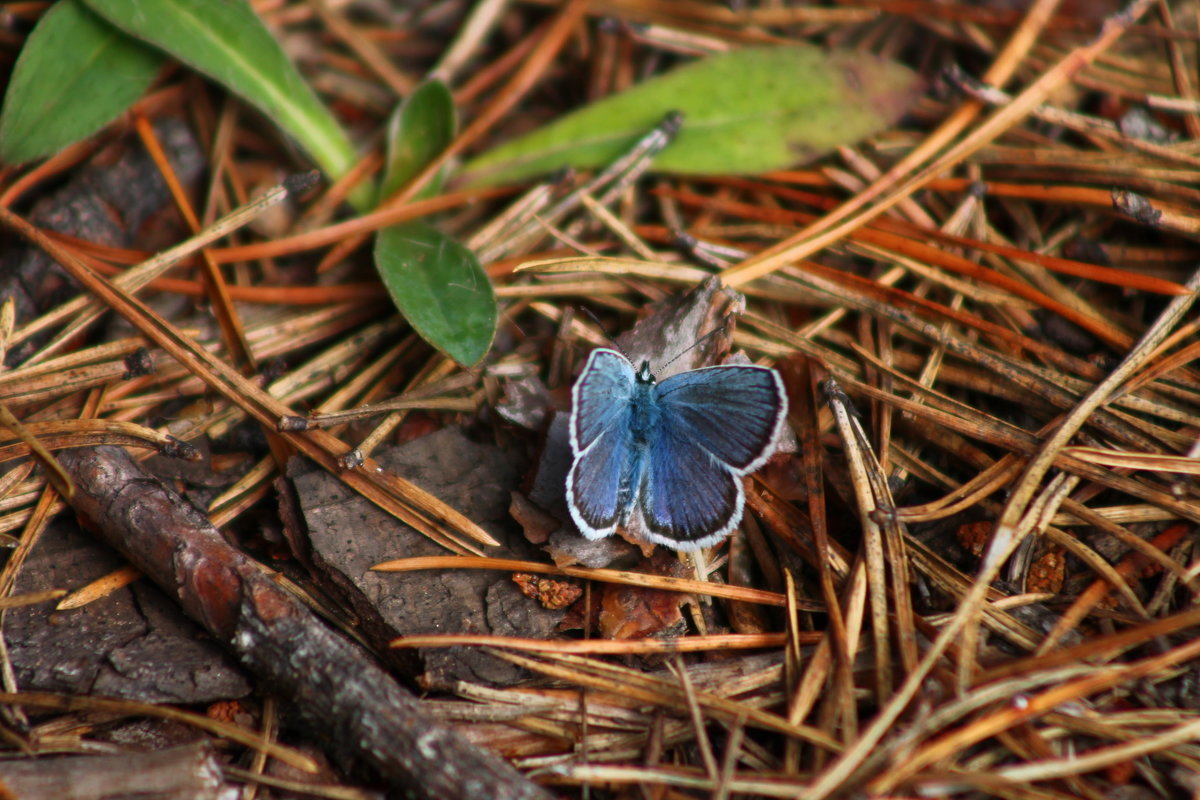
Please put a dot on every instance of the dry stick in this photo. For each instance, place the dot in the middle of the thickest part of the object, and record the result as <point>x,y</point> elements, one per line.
<point>744,594</point>
<point>707,643</point>
<point>362,714</point>
<point>189,771</point>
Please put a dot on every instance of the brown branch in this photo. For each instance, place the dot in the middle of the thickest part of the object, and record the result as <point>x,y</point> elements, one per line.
<point>360,713</point>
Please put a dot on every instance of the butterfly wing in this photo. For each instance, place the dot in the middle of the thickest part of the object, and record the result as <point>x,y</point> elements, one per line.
<point>600,434</point>
<point>733,412</point>
<point>688,499</point>
<point>714,425</point>
<point>600,397</point>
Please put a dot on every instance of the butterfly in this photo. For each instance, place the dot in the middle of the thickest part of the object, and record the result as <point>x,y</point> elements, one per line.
<point>673,453</point>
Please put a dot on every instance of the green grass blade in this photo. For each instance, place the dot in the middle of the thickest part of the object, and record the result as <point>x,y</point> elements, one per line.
<point>76,73</point>
<point>226,40</point>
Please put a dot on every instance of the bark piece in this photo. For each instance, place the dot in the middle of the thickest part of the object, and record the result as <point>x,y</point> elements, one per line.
<point>349,535</point>
<point>134,643</point>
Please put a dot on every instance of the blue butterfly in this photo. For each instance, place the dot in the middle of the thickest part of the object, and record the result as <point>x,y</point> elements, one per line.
<point>672,452</point>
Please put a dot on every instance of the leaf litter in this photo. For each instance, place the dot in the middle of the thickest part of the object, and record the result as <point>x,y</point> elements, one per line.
<point>973,572</point>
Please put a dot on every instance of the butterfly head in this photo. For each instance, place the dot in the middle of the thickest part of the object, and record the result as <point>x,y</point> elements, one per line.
<point>644,374</point>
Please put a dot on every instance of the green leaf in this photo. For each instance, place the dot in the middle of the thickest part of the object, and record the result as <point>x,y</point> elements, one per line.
<point>226,40</point>
<point>440,288</point>
<point>746,111</point>
<point>76,73</point>
<point>420,128</point>
<point>437,283</point>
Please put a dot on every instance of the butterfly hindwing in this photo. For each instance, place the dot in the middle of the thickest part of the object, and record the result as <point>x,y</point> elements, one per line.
<point>688,499</point>
<point>733,412</point>
<point>594,484</point>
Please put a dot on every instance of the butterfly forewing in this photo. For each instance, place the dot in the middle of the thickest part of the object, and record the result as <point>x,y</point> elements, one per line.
<point>600,399</point>
<point>600,442</point>
<point>732,412</point>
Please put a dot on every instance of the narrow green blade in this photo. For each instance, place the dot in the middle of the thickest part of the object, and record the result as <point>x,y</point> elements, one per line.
<point>226,40</point>
<point>76,73</point>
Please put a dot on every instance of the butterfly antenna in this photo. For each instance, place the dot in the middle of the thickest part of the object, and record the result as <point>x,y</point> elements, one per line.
<point>723,326</point>
<point>604,333</point>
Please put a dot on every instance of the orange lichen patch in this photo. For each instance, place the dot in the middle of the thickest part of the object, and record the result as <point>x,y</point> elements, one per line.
<point>1048,571</point>
<point>550,593</point>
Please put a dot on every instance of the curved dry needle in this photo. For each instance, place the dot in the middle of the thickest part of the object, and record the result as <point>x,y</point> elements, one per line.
<point>58,477</point>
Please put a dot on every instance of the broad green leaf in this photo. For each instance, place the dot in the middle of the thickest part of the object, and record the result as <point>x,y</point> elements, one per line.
<point>420,128</point>
<point>226,40</point>
<point>746,111</point>
<point>76,73</point>
<point>440,288</point>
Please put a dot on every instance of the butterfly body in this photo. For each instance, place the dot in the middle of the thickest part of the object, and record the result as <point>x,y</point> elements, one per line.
<point>671,453</point>
<point>643,422</point>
